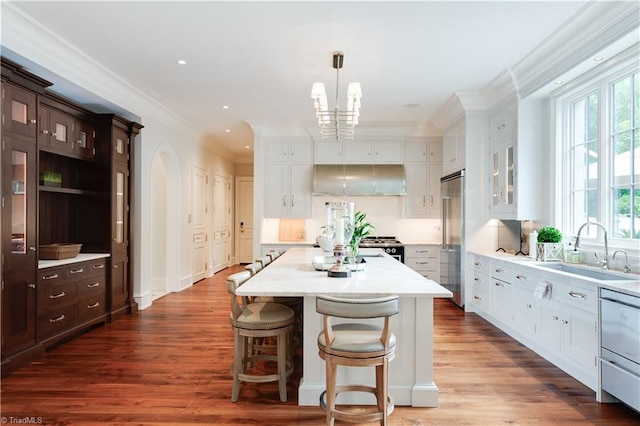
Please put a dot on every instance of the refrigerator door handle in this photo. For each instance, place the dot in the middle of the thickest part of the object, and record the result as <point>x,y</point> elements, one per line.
<point>445,203</point>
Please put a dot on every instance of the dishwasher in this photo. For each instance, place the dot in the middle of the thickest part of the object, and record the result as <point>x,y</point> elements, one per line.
<point>620,346</point>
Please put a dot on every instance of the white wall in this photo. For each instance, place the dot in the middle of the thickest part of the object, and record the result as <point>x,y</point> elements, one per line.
<point>162,128</point>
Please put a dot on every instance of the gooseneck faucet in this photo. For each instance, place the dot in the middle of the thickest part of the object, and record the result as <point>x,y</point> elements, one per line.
<point>627,268</point>
<point>602,262</point>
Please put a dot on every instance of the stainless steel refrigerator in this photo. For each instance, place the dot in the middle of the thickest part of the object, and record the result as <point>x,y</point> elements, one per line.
<point>453,248</point>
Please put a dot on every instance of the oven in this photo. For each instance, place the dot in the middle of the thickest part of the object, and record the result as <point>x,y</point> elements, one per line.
<point>620,346</point>
<point>390,245</point>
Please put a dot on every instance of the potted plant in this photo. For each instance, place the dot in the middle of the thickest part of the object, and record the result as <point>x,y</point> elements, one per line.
<point>361,228</point>
<point>549,247</point>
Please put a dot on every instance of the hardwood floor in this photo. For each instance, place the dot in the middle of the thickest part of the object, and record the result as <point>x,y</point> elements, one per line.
<point>169,364</point>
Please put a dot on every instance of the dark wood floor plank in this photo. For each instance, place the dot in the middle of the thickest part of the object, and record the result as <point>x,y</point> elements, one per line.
<point>169,365</point>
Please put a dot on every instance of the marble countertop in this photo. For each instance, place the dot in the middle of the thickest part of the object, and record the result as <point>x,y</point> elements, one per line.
<point>293,275</point>
<point>82,257</point>
<point>628,283</point>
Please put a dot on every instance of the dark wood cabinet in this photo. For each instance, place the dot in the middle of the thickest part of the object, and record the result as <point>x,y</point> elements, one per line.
<point>67,177</point>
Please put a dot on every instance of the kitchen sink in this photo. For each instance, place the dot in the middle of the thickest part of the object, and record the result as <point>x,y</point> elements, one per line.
<point>589,272</point>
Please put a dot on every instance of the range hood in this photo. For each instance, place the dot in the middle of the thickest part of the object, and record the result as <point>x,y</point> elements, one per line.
<point>359,179</point>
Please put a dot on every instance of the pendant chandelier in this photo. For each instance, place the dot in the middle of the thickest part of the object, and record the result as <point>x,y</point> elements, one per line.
<point>336,123</point>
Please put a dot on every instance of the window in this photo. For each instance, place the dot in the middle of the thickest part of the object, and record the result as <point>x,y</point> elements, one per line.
<point>601,146</point>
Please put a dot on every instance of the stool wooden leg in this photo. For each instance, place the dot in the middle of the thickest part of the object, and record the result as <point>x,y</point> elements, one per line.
<point>239,359</point>
<point>331,370</point>
<point>382,390</point>
<point>282,355</point>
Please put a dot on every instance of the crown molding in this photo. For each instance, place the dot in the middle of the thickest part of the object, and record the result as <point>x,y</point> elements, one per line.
<point>593,28</point>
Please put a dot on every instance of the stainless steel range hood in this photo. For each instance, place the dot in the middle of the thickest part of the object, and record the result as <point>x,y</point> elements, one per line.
<point>359,179</point>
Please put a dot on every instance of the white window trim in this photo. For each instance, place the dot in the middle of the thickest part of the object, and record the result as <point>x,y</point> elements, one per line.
<point>598,79</point>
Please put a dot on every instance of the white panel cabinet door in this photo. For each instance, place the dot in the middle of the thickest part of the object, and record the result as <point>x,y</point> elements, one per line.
<point>388,152</point>
<point>416,200</point>
<point>300,190</point>
<point>329,153</point>
<point>358,152</point>
<point>579,336</point>
<point>276,190</point>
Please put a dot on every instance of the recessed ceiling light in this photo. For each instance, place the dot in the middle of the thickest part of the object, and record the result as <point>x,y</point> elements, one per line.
<point>227,130</point>
<point>598,58</point>
<point>558,82</point>
<point>182,62</point>
<point>225,106</point>
<point>247,147</point>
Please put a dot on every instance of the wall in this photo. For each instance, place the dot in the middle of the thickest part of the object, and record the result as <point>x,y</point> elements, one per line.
<point>163,130</point>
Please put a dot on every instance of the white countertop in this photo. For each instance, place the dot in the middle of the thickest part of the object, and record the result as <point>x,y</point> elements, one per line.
<point>628,283</point>
<point>82,257</point>
<point>292,274</point>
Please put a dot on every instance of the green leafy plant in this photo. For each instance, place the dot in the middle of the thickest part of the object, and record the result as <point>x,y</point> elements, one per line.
<point>361,229</point>
<point>549,234</point>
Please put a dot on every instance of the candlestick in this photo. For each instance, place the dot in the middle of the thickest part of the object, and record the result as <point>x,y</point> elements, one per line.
<point>339,231</point>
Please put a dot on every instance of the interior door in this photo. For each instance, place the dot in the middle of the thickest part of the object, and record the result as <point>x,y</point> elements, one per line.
<point>199,223</point>
<point>221,222</point>
<point>244,208</point>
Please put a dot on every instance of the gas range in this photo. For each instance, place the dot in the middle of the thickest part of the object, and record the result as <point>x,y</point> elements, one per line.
<point>390,245</point>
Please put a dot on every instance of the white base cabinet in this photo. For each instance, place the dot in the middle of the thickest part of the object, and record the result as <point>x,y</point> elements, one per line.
<point>424,259</point>
<point>561,327</point>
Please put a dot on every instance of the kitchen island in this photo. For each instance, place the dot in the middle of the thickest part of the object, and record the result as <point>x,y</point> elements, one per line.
<point>411,372</point>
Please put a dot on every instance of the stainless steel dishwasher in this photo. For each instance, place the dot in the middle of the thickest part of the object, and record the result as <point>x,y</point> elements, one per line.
<point>620,346</point>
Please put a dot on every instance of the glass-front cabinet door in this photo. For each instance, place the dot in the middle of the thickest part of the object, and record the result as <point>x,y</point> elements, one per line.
<point>18,111</point>
<point>19,202</point>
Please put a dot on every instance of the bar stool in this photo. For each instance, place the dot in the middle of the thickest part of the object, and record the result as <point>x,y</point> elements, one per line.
<point>258,320</point>
<point>264,261</point>
<point>253,268</point>
<point>357,345</point>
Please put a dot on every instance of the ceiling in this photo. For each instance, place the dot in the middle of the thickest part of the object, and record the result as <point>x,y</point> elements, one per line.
<point>261,58</point>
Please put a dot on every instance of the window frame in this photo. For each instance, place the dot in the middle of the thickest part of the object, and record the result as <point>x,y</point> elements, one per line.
<point>599,80</point>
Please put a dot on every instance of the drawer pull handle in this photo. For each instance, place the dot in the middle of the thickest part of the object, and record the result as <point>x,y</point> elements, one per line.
<point>94,305</point>
<point>498,270</point>
<point>60,318</point>
<point>577,295</point>
<point>477,297</point>
<point>57,296</point>
<point>521,277</point>
<point>50,277</point>
<point>477,263</point>
<point>476,279</point>
<point>100,266</point>
<point>528,306</point>
<point>94,285</point>
<point>499,284</point>
<point>31,285</point>
<point>555,318</point>
<point>76,271</point>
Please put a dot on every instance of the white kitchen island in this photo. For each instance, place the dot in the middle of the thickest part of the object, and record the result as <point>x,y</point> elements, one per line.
<point>411,372</point>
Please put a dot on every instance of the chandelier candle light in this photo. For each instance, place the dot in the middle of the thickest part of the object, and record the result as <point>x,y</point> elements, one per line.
<point>336,123</point>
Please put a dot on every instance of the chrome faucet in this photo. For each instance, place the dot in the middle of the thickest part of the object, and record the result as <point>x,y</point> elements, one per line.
<point>604,263</point>
<point>627,268</point>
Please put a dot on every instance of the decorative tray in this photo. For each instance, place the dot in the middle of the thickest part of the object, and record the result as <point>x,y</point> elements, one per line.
<point>323,263</point>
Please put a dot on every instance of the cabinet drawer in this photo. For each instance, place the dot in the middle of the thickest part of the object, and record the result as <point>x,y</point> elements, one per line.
<point>91,307</point>
<point>77,271</point>
<point>422,263</point>
<point>577,295</point>
<point>55,321</point>
<point>91,286</point>
<point>54,296</point>
<point>501,271</point>
<point>421,251</point>
<point>480,264</point>
<point>96,267</point>
<point>51,276</point>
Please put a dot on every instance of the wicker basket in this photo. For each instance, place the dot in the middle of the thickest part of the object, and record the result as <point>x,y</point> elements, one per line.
<point>59,251</point>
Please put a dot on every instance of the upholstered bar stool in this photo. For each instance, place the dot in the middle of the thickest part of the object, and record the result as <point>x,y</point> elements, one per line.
<point>264,261</point>
<point>258,320</point>
<point>253,268</point>
<point>357,345</point>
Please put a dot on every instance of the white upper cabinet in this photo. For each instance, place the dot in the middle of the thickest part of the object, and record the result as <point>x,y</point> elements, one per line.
<point>289,178</point>
<point>423,170</point>
<point>359,152</point>
<point>516,144</point>
<point>453,148</point>
<point>329,153</point>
